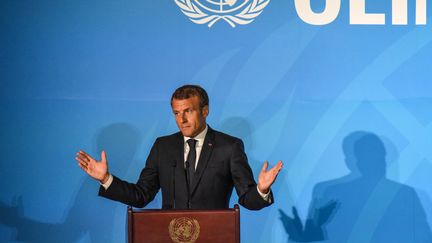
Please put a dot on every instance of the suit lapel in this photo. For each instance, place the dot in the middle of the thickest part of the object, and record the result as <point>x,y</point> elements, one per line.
<point>204,158</point>
<point>178,150</point>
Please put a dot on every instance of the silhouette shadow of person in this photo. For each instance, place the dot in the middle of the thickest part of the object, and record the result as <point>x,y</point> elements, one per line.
<point>88,215</point>
<point>363,206</point>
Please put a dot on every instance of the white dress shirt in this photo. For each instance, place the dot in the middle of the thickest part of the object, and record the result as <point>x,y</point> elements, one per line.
<point>198,146</point>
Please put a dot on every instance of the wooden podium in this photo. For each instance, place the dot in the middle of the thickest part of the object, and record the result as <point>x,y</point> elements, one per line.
<point>183,226</point>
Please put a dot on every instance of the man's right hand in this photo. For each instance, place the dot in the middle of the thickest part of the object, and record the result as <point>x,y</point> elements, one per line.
<point>96,169</point>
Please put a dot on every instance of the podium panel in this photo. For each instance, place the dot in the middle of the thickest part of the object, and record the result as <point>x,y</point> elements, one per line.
<point>184,226</point>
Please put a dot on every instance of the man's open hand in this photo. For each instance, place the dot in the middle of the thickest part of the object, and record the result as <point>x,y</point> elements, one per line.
<point>96,169</point>
<point>267,177</point>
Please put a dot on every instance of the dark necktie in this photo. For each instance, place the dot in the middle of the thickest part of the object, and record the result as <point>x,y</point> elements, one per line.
<point>191,158</point>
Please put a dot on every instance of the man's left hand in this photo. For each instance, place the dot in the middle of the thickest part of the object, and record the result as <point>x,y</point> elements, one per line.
<point>267,177</point>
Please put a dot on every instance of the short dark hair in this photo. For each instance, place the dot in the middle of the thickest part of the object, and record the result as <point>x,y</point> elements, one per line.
<point>188,91</point>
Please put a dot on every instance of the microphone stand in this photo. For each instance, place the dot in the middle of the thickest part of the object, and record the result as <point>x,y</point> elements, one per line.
<point>174,165</point>
<point>187,165</point>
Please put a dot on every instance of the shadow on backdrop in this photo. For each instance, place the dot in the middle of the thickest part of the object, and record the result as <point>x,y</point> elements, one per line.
<point>363,206</point>
<point>88,213</point>
<point>240,127</point>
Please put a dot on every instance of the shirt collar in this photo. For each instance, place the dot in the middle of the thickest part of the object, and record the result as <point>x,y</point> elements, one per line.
<point>200,137</point>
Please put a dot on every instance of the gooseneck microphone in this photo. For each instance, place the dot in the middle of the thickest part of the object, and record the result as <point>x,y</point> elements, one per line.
<point>187,165</point>
<point>174,165</point>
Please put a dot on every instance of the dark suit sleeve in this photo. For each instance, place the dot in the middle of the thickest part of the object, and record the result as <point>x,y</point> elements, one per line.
<point>140,193</point>
<point>244,182</point>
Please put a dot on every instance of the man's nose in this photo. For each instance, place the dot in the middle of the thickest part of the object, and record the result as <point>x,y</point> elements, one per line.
<point>183,118</point>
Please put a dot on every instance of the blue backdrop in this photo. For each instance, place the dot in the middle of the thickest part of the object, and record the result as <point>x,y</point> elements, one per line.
<point>346,107</point>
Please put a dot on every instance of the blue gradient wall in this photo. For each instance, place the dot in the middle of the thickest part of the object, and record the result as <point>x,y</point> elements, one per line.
<point>98,75</point>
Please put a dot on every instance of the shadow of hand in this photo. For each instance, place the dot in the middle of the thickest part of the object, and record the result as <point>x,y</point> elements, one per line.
<point>325,212</point>
<point>292,225</point>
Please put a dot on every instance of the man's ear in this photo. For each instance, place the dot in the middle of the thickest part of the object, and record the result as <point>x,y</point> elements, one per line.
<point>205,111</point>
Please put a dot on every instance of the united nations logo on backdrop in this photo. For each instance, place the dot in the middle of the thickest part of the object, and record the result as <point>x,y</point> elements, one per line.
<point>184,230</point>
<point>231,11</point>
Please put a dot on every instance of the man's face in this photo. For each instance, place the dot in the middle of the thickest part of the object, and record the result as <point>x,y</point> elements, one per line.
<point>190,118</point>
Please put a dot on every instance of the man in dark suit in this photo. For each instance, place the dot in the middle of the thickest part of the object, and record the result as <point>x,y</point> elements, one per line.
<point>196,168</point>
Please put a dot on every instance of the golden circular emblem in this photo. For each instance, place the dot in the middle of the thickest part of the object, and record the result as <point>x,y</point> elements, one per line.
<point>184,230</point>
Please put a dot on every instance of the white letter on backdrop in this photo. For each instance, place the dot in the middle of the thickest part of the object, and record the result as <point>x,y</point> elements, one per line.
<point>421,12</point>
<point>358,14</point>
<point>306,13</point>
<point>400,12</point>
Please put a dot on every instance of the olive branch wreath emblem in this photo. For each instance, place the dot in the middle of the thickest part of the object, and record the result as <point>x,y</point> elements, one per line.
<point>243,17</point>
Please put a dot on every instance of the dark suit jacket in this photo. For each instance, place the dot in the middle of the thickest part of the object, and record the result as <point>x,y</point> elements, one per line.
<point>222,165</point>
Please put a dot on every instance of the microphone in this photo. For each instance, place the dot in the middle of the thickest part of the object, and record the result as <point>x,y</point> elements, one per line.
<point>174,165</point>
<point>187,165</point>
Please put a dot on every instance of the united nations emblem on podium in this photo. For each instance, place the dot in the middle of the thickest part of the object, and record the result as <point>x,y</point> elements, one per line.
<point>184,230</point>
<point>233,12</point>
